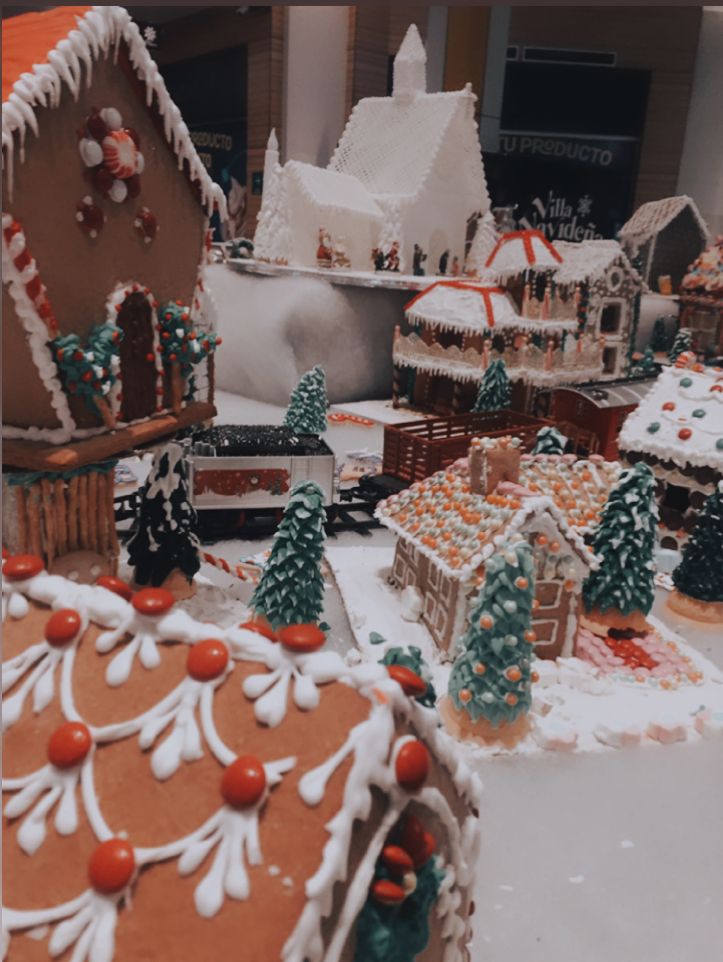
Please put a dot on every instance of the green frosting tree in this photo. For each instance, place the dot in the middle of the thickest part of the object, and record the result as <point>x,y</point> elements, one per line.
<point>494,391</point>
<point>646,366</point>
<point>308,404</point>
<point>91,372</point>
<point>182,347</point>
<point>659,340</point>
<point>291,589</point>
<point>491,676</point>
<point>683,342</point>
<point>549,441</point>
<point>700,573</point>
<point>624,541</point>
<point>165,533</point>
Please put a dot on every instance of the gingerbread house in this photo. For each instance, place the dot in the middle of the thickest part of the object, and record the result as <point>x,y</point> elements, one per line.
<point>677,429</point>
<point>449,524</point>
<point>106,206</point>
<point>701,300</point>
<point>173,789</point>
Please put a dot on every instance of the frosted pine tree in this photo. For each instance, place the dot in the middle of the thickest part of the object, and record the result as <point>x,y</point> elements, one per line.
<point>646,365</point>
<point>165,533</point>
<point>273,240</point>
<point>624,541</point>
<point>700,574</point>
<point>659,340</point>
<point>308,404</point>
<point>549,441</point>
<point>494,391</point>
<point>491,677</point>
<point>291,589</point>
<point>483,243</point>
<point>683,342</point>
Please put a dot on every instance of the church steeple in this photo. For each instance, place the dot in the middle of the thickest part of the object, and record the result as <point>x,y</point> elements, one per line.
<point>410,65</point>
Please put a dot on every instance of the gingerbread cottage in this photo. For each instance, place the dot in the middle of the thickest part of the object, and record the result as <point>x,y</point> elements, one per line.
<point>449,524</point>
<point>106,208</point>
<point>701,300</point>
<point>176,790</point>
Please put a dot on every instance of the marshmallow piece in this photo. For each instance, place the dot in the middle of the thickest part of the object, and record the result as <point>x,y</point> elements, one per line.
<point>666,729</point>
<point>547,671</point>
<point>411,604</point>
<point>554,735</point>
<point>709,723</point>
<point>619,736</point>
<point>582,676</point>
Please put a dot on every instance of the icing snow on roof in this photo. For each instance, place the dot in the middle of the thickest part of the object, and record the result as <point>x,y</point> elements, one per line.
<point>458,529</point>
<point>680,419</point>
<point>655,215</point>
<point>328,188</point>
<point>588,260</point>
<point>45,52</point>
<point>520,250</point>
<point>456,305</point>
<point>705,275</point>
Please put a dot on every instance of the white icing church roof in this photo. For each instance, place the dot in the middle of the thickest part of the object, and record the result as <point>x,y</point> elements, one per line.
<point>331,189</point>
<point>655,215</point>
<point>521,250</point>
<point>680,419</point>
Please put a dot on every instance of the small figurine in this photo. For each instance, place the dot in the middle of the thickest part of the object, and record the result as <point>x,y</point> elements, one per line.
<point>341,258</point>
<point>443,261</point>
<point>455,267</point>
<point>323,251</point>
<point>418,260</point>
<point>392,258</point>
<point>378,258</point>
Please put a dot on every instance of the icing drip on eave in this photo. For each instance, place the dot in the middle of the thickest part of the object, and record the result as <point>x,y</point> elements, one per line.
<point>99,30</point>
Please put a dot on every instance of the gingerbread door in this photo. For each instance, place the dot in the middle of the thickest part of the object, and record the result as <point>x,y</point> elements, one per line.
<point>137,358</point>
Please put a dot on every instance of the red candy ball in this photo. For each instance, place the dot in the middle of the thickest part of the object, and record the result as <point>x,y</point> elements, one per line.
<point>669,406</point>
<point>207,659</point>
<point>302,638</point>
<point>96,126</point>
<point>153,601</point>
<point>116,585</point>
<point>412,765</point>
<point>18,567</point>
<point>397,859</point>
<point>62,626</point>
<point>243,782</point>
<point>409,680</point>
<point>684,434</point>
<point>102,179</point>
<point>69,744</point>
<point>111,866</point>
<point>261,628</point>
<point>387,892</point>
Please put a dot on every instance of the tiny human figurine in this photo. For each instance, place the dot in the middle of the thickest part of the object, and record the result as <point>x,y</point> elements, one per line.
<point>378,258</point>
<point>392,260</point>
<point>323,251</point>
<point>443,261</point>
<point>418,260</point>
<point>455,267</point>
<point>341,258</point>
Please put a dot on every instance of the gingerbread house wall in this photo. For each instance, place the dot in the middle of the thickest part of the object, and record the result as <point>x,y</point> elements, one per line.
<point>81,272</point>
<point>439,592</point>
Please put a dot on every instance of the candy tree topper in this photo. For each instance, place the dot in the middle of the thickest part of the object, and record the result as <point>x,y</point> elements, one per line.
<point>182,347</point>
<point>308,404</point>
<point>164,537</point>
<point>291,588</point>
<point>494,391</point>
<point>700,574</point>
<point>624,541</point>
<point>90,372</point>
<point>491,676</point>
<point>549,441</point>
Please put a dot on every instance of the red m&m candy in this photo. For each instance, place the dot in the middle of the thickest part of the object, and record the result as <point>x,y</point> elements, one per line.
<point>111,866</point>
<point>207,659</point>
<point>69,744</point>
<point>153,601</point>
<point>62,627</point>
<point>243,782</point>
<point>412,765</point>
<point>18,567</point>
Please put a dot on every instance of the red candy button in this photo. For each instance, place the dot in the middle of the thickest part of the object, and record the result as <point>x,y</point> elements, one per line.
<point>302,638</point>
<point>62,626</point>
<point>669,406</point>
<point>419,843</point>
<point>69,744</point>
<point>111,866</point>
<point>387,892</point>
<point>409,680</point>
<point>116,585</point>
<point>153,601</point>
<point>207,659</point>
<point>684,434</point>
<point>21,566</point>
<point>397,859</point>
<point>261,628</point>
<point>412,765</point>
<point>243,782</point>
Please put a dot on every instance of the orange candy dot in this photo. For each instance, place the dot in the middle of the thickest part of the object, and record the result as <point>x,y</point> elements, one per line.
<point>412,765</point>
<point>153,601</point>
<point>116,585</point>
<point>486,621</point>
<point>302,638</point>
<point>569,584</point>
<point>410,682</point>
<point>530,635</point>
<point>554,546</point>
<point>479,669</point>
<point>513,673</point>
<point>534,676</point>
<point>521,583</point>
<point>261,628</point>
<point>111,866</point>
<point>207,659</point>
<point>243,782</point>
<point>465,696</point>
<point>61,627</point>
<point>511,699</point>
<point>69,744</point>
<point>541,540</point>
<point>18,567</point>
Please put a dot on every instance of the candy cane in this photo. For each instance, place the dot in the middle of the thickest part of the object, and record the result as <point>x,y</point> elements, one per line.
<point>243,570</point>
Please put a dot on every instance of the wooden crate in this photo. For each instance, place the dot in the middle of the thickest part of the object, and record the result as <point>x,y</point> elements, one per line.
<point>415,450</point>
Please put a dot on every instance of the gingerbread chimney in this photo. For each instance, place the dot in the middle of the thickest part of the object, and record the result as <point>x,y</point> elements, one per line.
<point>492,460</point>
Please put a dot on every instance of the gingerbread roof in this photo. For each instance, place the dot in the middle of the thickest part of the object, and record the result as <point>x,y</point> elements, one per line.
<point>655,215</point>
<point>160,772</point>
<point>44,52</point>
<point>704,280</point>
<point>681,418</point>
<point>459,530</point>
<point>521,250</point>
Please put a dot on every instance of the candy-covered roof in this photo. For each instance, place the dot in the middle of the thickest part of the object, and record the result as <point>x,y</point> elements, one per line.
<point>681,418</point>
<point>160,772</point>
<point>460,529</point>
<point>704,279</point>
<point>655,215</point>
<point>43,53</point>
<point>521,250</point>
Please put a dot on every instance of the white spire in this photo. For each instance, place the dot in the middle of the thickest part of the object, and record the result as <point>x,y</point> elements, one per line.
<point>272,143</point>
<point>271,157</point>
<point>410,65</point>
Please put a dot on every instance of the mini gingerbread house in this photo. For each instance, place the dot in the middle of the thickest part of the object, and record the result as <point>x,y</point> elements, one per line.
<point>106,208</point>
<point>450,524</point>
<point>232,790</point>
<point>678,431</point>
<point>701,300</point>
